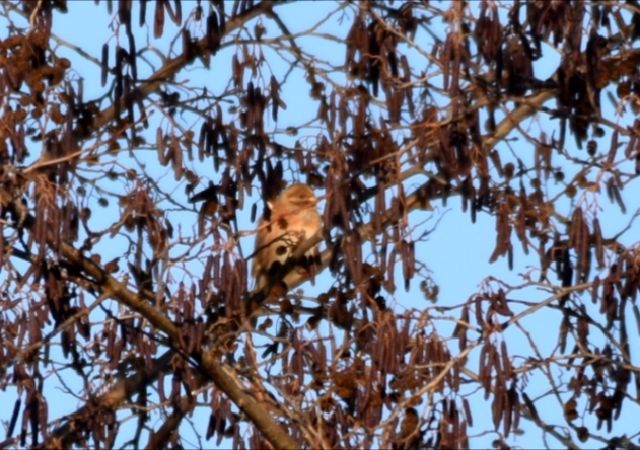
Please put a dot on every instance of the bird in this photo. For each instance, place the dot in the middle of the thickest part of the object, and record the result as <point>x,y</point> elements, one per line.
<point>292,222</point>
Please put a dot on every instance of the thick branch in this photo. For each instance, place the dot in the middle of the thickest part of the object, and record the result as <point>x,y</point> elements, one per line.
<point>163,434</point>
<point>224,378</point>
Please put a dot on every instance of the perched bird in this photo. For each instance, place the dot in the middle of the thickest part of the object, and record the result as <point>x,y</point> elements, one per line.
<point>293,221</point>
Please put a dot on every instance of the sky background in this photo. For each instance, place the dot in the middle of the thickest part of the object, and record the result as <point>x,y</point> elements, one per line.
<point>456,251</point>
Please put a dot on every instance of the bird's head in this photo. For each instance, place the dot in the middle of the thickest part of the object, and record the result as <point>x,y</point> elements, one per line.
<point>298,195</point>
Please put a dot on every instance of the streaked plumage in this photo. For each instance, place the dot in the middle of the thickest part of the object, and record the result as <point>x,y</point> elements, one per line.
<point>293,220</point>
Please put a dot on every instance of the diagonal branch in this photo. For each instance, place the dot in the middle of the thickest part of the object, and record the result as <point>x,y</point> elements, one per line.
<point>224,377</point>
<point>160,437</point>
<point>174,65</point>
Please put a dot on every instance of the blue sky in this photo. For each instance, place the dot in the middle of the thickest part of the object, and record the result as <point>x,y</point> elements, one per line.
<point>456,251</point>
